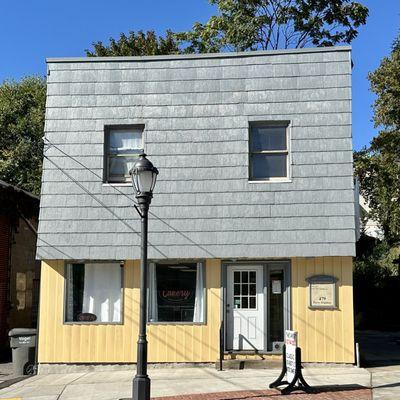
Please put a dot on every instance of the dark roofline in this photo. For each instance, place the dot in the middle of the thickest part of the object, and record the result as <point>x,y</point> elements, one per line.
<point>199,56</point>
<point>16,189</point>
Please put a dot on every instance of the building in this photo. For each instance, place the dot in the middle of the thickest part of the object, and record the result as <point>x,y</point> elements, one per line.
<point>19,271</point>
<point>252,224</point>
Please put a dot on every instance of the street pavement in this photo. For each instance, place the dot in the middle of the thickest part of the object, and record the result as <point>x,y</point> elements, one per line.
<point>114,385</point>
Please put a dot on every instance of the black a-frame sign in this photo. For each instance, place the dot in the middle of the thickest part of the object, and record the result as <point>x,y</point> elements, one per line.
<point>298,382</point>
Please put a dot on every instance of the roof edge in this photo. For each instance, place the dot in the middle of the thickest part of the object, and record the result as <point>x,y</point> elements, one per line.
<point>16,189</point>
<point>199,56</point>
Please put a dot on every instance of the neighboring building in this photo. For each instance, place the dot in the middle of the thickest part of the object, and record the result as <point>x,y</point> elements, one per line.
<point>19,271</point>
<point>254,202</point>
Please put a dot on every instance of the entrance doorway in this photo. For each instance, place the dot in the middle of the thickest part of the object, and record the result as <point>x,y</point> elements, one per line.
<point>257,305</point>
<point>245,307</point>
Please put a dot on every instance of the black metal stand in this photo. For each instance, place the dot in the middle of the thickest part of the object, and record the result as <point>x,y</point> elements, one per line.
<point>141,382</point>
<point>298,376</point>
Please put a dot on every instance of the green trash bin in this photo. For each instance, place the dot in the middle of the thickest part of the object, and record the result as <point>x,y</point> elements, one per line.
<point>23,344</point>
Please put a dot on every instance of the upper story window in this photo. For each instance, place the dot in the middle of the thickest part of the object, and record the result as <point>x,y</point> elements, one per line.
<point>268,151</point>
<point>123,144</point>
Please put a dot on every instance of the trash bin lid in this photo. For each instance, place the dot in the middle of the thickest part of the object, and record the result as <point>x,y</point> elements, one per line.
<point>22,332</point>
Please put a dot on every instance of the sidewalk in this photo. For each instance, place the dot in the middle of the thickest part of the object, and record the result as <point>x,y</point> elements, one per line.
<point>7,377</point>
<point>181,381</point>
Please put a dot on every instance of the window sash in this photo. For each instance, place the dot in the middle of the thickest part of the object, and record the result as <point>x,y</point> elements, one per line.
<point>123,152</point>
<point>283,152</point>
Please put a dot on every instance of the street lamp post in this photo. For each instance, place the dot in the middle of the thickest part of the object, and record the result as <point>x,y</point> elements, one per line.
<point>144,176</point>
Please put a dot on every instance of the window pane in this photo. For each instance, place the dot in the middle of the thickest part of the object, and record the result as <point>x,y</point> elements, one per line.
<point>245,276</point>
<point>245,289</point>
<point>176,292</point>
<point>266,166</point>
<point>94,292</point>
<point>276,332</point>
<point>245,302</point>
<point>125,141</point>
<point>252,302</point>
<point>268,138</point>
<point>236,289</point>
<point>119,166</point>
<point>236,276</point>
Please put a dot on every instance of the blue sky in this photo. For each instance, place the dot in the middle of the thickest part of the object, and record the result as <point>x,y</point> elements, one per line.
<point>32,30</point>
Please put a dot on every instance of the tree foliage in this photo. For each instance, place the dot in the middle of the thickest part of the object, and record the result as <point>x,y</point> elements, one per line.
<point>272,24</point>
<point>136,44</point>
<point>378,167</point>
<point>22,106</point>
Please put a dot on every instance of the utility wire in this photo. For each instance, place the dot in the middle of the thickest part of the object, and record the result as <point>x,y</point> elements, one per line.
<point>124,194</point>
<point>101,203</point>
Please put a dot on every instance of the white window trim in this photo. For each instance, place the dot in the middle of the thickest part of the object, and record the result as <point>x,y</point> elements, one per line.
<point>106,168</point>
<point>288,152</point>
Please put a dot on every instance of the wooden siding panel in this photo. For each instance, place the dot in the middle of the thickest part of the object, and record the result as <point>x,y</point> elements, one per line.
<point>80,343</point>
<point>324,335</point>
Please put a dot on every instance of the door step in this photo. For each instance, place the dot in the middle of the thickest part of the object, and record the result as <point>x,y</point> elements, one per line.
<point>249,364</point>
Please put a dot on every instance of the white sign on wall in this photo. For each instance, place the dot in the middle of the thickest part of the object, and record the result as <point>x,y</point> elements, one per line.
<point>291,344</point>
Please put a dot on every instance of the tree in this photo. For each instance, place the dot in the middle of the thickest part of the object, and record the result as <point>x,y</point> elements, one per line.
<point>243,25</point>
<point>136,44</point>
<point>22,106</point>
<point>378,167</point>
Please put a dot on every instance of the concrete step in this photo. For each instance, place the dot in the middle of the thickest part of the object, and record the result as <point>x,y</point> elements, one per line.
<point>249,364</point>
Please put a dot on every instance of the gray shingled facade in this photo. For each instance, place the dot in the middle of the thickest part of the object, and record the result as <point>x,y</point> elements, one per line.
<point>196,111</point>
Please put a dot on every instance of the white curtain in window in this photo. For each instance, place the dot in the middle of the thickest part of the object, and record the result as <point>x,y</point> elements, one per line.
<point>198,313</point>
<point>153,309</point>
<point>121,140</point>
<point>102,291</point>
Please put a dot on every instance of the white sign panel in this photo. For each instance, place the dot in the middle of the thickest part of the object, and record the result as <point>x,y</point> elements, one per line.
<point>291,344</point>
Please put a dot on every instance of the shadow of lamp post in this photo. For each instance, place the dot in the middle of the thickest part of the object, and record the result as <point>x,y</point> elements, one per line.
<point>144,176</point>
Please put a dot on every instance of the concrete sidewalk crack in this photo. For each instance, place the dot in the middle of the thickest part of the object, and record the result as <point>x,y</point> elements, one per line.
<point>70,383</point>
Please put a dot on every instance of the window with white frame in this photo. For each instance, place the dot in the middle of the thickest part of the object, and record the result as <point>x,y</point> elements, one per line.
<point>93,292</point>
<point>268,151</point>
<point>177,292</point>
<point>123,144</point>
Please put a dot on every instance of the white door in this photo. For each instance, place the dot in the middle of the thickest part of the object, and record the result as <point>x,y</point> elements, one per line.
<point>245,307</point>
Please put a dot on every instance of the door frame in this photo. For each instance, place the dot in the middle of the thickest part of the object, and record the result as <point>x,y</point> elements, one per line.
<point>267,265</point>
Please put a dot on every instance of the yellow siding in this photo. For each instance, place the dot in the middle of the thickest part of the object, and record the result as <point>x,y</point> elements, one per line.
<point>74,343</point>
<point>324,335</point>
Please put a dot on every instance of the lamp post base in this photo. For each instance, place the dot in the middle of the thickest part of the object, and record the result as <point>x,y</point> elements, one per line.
<point>141,388</point>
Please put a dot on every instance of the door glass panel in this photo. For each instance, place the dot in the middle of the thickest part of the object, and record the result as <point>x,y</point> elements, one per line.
<point>252,302</point>
<point>236,289</point>
<point>245,302</point>
<point>244,292</point>
<point>252,289</point>
<point>275,294</point>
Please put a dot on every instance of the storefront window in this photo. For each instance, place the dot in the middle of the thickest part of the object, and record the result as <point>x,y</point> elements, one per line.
<point>93,292</point>
<point>176,292</point>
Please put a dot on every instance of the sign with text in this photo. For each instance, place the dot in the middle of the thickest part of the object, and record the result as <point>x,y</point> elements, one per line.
<point>291,344</point>
<point>322,291</point>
